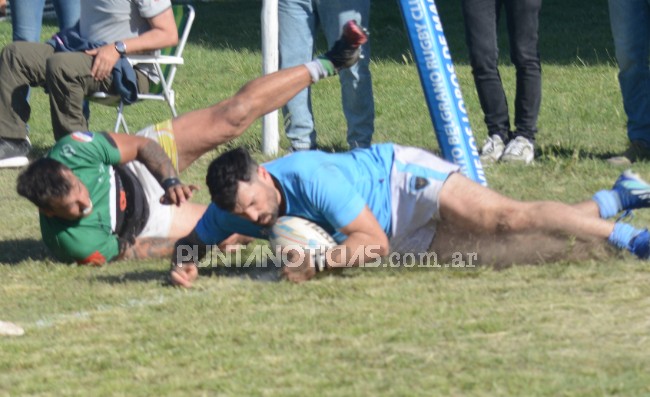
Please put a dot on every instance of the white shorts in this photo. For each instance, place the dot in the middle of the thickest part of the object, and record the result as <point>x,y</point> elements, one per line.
<point>415,181</point>
<point>160,216</point>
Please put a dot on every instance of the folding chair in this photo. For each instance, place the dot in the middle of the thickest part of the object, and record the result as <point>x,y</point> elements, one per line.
<point>165,65</point>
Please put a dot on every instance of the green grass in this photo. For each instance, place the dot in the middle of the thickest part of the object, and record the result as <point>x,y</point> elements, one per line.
<point>562,329</point>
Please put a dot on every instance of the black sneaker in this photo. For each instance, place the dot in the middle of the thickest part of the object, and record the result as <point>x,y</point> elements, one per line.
<point>346,51</point>
<point>13,152</point>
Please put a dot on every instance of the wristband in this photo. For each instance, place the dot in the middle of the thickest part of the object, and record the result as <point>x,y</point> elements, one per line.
<point>170,182</point>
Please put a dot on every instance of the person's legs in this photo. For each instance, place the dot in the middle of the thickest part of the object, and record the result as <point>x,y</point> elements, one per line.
<point>67,12</point>
<point>356,82</point>
<point>589,208</point>
<point>27,19</point>
<point>68,81</point>
<point>165,221</point>
<point>630,23</point>
<point>475,209</point>
<point>629,192</point>
<point>297,21</point>
<point>523,26</point>
<point>416,178</point>
<point>430,197</point>
<point>481,20</point>
<point>22,65</point>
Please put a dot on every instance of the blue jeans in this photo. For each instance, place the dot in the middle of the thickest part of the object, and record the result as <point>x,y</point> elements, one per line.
<point>27,17</point>
<point>298,20</point>
<point>481,20</point>
<point>630,21</point>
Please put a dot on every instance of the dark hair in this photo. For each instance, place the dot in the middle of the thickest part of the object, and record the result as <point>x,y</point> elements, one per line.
<point>42,181</point>
<point>224,174</point>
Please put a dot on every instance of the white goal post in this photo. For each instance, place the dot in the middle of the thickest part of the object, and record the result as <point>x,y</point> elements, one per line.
<point>270,61</point>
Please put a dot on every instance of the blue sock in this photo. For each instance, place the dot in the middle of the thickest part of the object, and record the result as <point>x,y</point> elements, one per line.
<point>609,204</point>
<point>622,235</point>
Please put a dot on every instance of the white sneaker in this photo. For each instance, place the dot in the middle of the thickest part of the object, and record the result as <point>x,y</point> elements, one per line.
<point>492,149</point>
<point>10,329</point>
<point>13,152</point>
<point>519,150</point>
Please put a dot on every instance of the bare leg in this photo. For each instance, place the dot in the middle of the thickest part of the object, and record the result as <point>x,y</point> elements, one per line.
<point>589,208</point>
<point>202,130</point>
<point>485,211</point>
<point>485,219</point>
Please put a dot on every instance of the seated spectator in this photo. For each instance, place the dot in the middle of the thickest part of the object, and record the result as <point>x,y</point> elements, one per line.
<point>77,63</point>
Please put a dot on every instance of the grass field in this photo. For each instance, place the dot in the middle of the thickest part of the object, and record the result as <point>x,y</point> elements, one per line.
<point>561,329</point>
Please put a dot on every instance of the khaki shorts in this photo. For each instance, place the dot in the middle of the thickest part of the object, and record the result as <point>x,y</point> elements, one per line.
<point>160,216</point>
<point>415,181</point>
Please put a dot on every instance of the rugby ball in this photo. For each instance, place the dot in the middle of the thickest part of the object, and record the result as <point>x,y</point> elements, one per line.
<point>293,231</point>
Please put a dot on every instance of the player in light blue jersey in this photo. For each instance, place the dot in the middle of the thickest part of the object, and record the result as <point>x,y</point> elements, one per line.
<point>396,199</point>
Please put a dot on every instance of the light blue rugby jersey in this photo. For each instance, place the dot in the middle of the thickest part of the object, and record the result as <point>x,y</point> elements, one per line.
<point>329,189</point>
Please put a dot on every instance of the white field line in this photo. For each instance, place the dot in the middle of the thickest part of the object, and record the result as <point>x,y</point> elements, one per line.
<point>51,320</point>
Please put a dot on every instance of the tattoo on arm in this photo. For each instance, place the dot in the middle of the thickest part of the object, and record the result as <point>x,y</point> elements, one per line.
<point>149,247</point>
<point>156,161</point>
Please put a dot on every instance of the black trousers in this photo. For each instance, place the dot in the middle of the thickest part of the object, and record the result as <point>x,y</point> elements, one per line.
<point>522,18</point>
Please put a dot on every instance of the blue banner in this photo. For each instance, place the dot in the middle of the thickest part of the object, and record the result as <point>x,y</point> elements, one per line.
<point>441,88</point>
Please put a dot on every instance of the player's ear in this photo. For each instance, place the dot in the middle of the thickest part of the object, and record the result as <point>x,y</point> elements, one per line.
<point>262,173</point>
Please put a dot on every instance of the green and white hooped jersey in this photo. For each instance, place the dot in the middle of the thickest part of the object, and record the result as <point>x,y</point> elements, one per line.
<point>89,240</point>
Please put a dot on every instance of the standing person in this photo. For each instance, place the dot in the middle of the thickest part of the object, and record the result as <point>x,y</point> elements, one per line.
<point>27,17</point>
<point>299,20</point>
<point>630,22</point>
<point>108,30</point>
<point>481,21</point>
